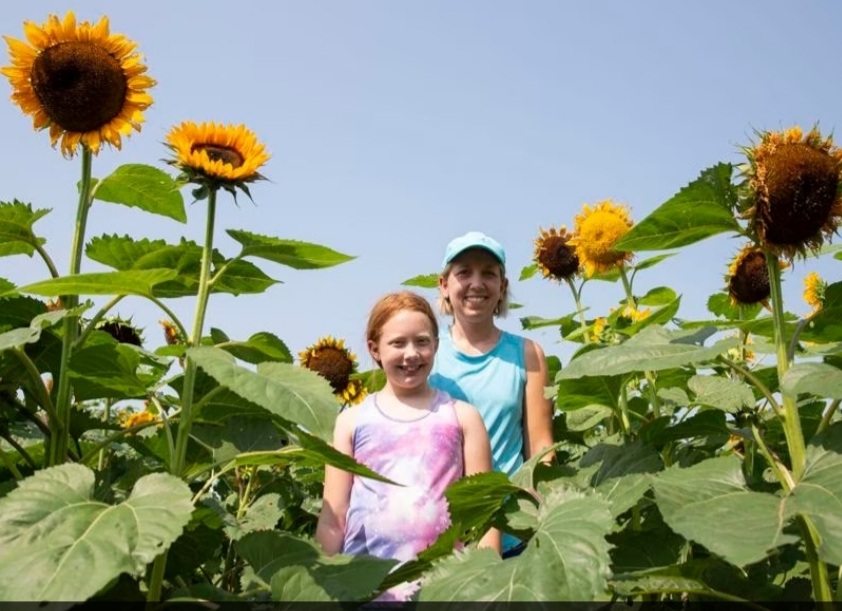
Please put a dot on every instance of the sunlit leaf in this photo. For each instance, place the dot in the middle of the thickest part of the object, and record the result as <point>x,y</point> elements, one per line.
<point>258,348</point>
<point>18,337</point>
<point>710,504</point>
<point>652,261</point>
<point>427,281</point>
<point>815,378</point>
<point>53,531</point>
<point>293,393</point>
<point>700,210</point>
<point>106,371</point>
<point>145,187</point>
<point>721,393</point>
<point>567,559</point>
<point>295,254</point>
<point>527,272</point>
<point>102,283</point>
<point>16,221</point>
<point>652,349</point>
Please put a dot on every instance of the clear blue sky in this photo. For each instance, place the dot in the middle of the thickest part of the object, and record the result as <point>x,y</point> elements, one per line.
<point>397,125</point>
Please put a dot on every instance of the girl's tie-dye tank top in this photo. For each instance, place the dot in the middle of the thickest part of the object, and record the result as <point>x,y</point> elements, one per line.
<point>425,455</point>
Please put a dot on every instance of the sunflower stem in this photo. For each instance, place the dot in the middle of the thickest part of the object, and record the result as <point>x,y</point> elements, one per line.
<point>195,339</point>
<point>60,428</point>
<point>583,324</point>
<point>630,301</point>
<point>791,418</point>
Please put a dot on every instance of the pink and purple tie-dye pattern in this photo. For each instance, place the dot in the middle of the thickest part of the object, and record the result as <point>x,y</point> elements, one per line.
<point>425,455</point>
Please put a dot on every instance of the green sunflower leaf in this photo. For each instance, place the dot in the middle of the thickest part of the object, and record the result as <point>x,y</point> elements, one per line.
<point>818,495</point>
<point>141,282</point>
<point>527,272</point>
<point>53,530</point>
<point>258,348</point>
<point>700,210</point>
<point>818,379</point>
<point>293,253</point>
<point>20,336</point>
<point>16,235</point>
<point>709,503</point>
<point>424,281</point>
<point>653,349</point>
<point>145,187</point>
<point>296,394</point>
<point>721,393</point>
<point>566,559</point>
<point>6,286</point>
<point>107,370</point>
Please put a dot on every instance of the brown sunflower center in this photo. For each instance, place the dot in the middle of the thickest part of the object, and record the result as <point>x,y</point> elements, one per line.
<point>558,258</point>
<point>750,283</point>
<point>222,153</point>
<point>801,184</point>
<point>332,364</point>
<point>80,85</point>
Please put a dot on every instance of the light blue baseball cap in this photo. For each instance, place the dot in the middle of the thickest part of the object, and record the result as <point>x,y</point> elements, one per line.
<point>473,239</point>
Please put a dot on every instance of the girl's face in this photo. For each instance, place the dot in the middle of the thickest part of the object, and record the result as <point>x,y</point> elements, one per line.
<point>406,349</point>
<point>474,285</point>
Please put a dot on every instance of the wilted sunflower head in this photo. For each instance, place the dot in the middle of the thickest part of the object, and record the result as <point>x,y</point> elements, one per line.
<point>334,362</point>
<point>133,419</point>
<point>84,83</point>
<point>794,190</point>
<point>171,333</point>
<point>814,288</point>
<point>121,330</point>
<point>554,255</point>
<point>748,277</point>
<point>596,230</point>
<point>213,155</point>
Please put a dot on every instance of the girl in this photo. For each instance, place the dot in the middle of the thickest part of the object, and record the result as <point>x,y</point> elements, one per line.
<point>408,432</point>
<point>503,374</point>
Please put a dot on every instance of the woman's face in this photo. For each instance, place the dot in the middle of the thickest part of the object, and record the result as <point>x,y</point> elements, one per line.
<point>475,285</point>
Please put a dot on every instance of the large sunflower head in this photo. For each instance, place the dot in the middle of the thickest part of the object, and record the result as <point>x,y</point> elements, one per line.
<point>596,231</point>
<point>84,83</point>
<point>793,182</point>
<point>554,255</point>
<point>213,155</point>
<point>814,288</point>
<point>748,277</point>
<point>334,362</point>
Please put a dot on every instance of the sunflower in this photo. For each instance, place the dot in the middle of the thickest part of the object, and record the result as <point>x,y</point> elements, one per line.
<point>334,362</point>
<point>84,83</point>
<point>748,277</point>
<point>138,418</point>
<point>121,330</point>
<point>554,255</point>
<point>597,229</point>
<point>634,314</point>
<point>793,182</point>
<point>814,288</point>
<point>214,155</point>
<point>171,333</point>
<point>598,329</point>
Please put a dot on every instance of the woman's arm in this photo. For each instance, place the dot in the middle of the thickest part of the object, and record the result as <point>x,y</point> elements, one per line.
<point>476,454</point>
<point>330,530</point>
<point>537,409</point>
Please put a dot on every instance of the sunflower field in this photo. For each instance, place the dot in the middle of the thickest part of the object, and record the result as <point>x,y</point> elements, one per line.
<point>696,460</point>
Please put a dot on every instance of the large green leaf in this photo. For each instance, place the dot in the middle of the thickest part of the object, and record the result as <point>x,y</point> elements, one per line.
<point>21,336</point>
<point>815,378</point>
<point>107,370</point>
<point>295,254</point>
<point>296,394</point>
<point>296,570</point>
<point>818,495</point>
<point>16,235</point>
<point>142,186</point>
<point>653,349</point>
<point>701,424</point>
<point>721,393</point>
<point>258,348</point>
<point>700,210</point>
<point>624,472</point>
<point>825,326</point>
<point>57,542</point>
<point>566,560</point>
<point>710,504</point>
<point>102,283</point>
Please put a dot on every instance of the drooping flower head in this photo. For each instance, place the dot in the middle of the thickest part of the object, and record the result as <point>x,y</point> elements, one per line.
<point>596,230</point>
<point>213,155</point>
<point>84,83</point>
<point>794,201</point>
<point>334,362</point>
<point>554,255</point>
<point>748,277</point>
<point>814,288</point>
<point>133,419</point>
<point>171,333</point>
